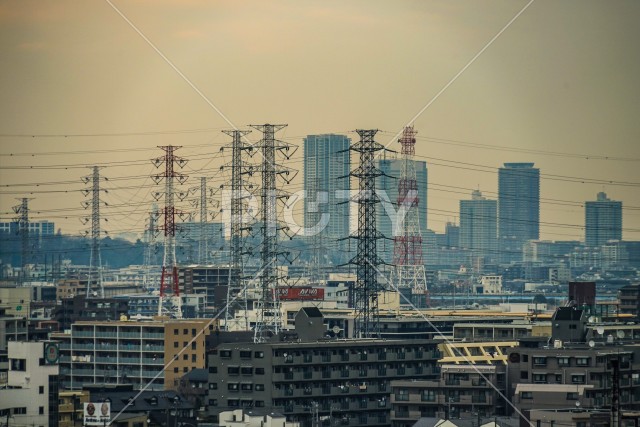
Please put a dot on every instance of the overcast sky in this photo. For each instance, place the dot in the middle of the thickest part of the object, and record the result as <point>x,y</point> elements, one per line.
<point>559,87</point>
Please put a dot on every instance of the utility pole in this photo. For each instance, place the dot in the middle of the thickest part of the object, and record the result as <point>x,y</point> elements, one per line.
<point>169,281</point>
<point>366,260</point>
<point>269,320</point>
<point>407,254</point>
<point>236,294</point>
<point>95,261</point>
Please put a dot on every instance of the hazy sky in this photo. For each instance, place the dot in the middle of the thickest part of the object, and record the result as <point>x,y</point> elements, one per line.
<point>559,88</point>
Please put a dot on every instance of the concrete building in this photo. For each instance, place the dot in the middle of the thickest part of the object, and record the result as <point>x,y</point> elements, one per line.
<point>70,409</point>
<point>462,391</point>
<point>301,373</point>
<point>79,307</point>
<point>491,284</point>
<point>603,220</point>
<point>31,394</point>
<point>326,216</point>
<point>12,328</point>
<point>518,208</point>
<point>478,226</point>
<point>211,281</point>
<point>132,352</point>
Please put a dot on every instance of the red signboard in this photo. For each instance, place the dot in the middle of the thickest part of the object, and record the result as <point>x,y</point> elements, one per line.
<point>298,294</point>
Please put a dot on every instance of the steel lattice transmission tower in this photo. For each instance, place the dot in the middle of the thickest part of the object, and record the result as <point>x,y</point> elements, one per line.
<point>236,293</point>
<point>170,303</point>
<point>204,235</point>
<point>23,230</point>
<point>366,260</point>
<point>150,249</point>
<point>269,320</point>
<point>94,281</point>
<point>407,251</point>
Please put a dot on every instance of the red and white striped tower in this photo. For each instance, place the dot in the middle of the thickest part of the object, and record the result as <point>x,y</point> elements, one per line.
<point>169,303</point>
<point>407,250</point>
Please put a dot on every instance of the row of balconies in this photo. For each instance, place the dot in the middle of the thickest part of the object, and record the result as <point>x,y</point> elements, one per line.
<point>353,374</point>
<point>100,373</point>
<point>111,347</point>
<point>345,405</point>
<point>305,359</point>
<point>359,389</point>
<point>441,399</point>
<point>114,335</point>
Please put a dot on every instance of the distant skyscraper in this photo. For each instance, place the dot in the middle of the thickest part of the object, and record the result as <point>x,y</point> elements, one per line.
<point>326,170</point>
<point>603,220</point>
<point>518,208</point>
<point>388,190</point>
<point>478,226</point>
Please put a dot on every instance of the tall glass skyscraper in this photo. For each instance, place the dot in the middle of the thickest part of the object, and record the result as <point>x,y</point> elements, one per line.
<point>387,187</point>
<point>478,226</point>
<point>518,208</point>
<point>326,182</point>
<point>603,220</point>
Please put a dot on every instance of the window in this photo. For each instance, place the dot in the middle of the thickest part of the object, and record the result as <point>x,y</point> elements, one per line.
<point>246,386</point>
<point>213,369</point>
<point>402,395</point>
<point>20,411</point>
<point>539,378</point>
<point>577,378</point>
<point>524,375</point>
<point>193,357</point>
<point>213,402</point>
<point>194,345</point>
<point>259,387</point>
<point>259,354</point>
<point>259,371</point>
<point>225,354</point>
<point>259,404</point>
<point>572,396</point>
<point>233,403</point>
<point>233,370</point>
<point>428,395</point>
<point>582,361</point>
<point>18,364</point>
<point>245,354</point>
<point>175,344</point>
<point>193,332</point>
<point>232,386</point>
<point>41,410</point>
<point>185,331</point>
<point>246,370</point>
<point>185,357</point>
<point>526,395</point>
<point>563,361</point>
<point>185,369</point>
<point>540,361</point>
<point>175,332</point>
<point>41,389</point>
<point>213,386</point>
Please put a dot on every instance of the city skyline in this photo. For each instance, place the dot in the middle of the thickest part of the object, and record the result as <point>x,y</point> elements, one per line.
<point>563,98</point>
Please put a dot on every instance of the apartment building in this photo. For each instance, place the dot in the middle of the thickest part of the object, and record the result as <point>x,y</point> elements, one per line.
<point>304,375</point>
<point>158,352</point>
<point>461,392</point>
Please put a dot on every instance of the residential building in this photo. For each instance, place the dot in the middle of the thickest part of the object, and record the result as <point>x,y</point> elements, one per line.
<point>603,220</point>
<point>629,297</point>
<point>301,373</point>
<point>462,391</point>
<point>518,208</point>
<point>70,409</point>
<point>210,281</point>
<point>31,393</point>
<point>326,215</point>
<point>132,352</point>
<point>79,307</point>
<point>478,226</point>
<point>386,221</point>
<point>12,328</point>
